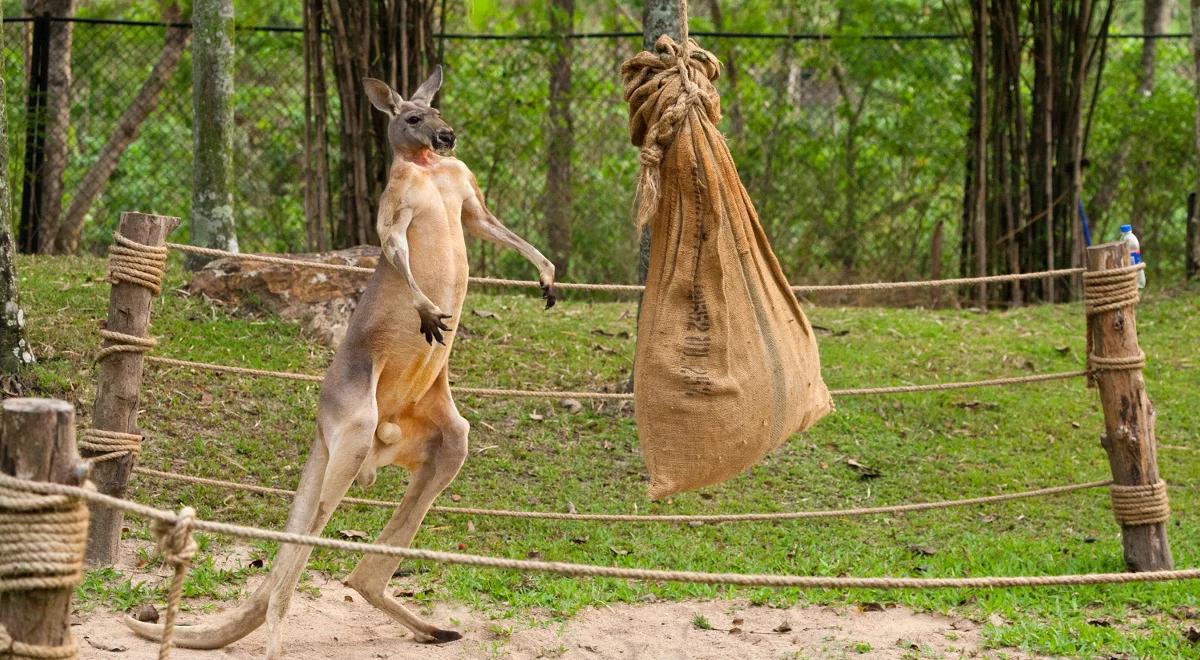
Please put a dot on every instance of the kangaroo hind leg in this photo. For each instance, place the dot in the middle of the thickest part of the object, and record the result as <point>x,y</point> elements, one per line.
<point>444,432</point>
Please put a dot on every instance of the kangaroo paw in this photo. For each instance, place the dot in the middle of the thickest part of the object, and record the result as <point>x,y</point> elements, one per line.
<point>433,324</point>
<point>443,637</point>
<point>550,294</point>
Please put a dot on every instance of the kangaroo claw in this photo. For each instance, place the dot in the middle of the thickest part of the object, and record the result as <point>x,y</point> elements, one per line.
<point>432,326</point>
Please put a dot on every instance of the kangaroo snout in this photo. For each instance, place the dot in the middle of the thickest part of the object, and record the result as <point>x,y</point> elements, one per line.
<point>443,139</point>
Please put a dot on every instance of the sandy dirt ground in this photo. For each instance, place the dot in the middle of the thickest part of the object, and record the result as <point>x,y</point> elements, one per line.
<point>340,624</point>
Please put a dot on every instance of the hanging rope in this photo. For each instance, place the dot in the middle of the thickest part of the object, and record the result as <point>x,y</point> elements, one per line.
<point>178,547</point>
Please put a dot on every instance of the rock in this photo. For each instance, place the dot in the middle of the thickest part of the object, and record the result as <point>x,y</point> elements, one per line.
<point>146,612</point>
<point>323,300</point>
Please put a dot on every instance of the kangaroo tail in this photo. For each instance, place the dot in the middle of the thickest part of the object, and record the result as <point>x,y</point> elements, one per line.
<point>223,629</point>
<point>228,627</point>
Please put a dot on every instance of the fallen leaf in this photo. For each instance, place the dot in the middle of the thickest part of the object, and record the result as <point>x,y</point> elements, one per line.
<point>533,554</point>
<point>206,398</point>
<point>738,621</point>
<point>784,627</point>
<point>623,334</point>
<point>537,417</point>
<point>579,540</point>
<point>863,471</point>
<point>470,526</point>
<point>734,630</point>
<point>620,552</point>
<point>1062,350</point>
<point>572,405</point>
<point>257,563</point>
<point>456,497</point>
<point>1100,623</point>
<point>485,314</point>
<point>922,550</point>
<point>146,612</point>
<point>352,534</point>
<point>106,645</point>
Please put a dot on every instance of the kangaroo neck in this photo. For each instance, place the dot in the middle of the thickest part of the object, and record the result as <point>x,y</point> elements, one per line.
<point>423,156</point>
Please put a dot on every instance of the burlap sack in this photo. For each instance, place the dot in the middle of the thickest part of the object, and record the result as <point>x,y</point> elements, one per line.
<point>726,365</point>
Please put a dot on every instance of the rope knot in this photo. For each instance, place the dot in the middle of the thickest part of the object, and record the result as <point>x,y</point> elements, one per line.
<point>175,540</point>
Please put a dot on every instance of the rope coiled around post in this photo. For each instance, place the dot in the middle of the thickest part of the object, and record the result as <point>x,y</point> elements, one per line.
<point>109,444</point>
<point>11,649</point>
<point>137,263</point>
<point>123,343</point>
<point>1140,505</point>
<point>1114,288</point>
<point>42,538</point>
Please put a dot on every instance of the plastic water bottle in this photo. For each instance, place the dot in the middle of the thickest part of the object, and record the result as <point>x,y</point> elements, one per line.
<point>1135,252</point>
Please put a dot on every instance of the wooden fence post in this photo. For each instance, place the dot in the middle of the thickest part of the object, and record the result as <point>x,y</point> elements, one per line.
<point>1115,360</point>
<point>37,442</point>
<point>119,384</point>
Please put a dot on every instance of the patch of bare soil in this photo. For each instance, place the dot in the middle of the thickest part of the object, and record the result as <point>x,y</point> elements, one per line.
<point>340,624</point>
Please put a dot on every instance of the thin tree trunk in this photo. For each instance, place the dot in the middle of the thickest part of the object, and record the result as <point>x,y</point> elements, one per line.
<point>316,137</point>
<point>1193,250</point>
<point>979,225</point>
<point>561,138</point>
<point>212,130</point>
<point>70,230</point>
<point>14,352</point>
<point>392,40</point>
<point>1155,15</point>
<point>58,115</point>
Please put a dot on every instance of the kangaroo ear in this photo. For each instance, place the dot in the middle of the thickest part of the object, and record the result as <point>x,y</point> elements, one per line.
<point>382,97</point>
<point>425,92</point>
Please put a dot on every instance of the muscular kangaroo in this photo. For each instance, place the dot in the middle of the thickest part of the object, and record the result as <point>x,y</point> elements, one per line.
<point>386,397</point>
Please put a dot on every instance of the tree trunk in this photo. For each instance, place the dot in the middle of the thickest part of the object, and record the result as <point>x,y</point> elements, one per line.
<point>14,352</point>
<point>316,136</point>
<point>659,17</point>
<point>70,230</point>
<point>392,40</point>
<point>212,128</point>
<point>979,59</point>
<point>58,115</point>
<point>561,138</point>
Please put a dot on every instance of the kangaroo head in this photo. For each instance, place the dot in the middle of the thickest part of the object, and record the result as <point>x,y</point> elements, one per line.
<point>412,125</point>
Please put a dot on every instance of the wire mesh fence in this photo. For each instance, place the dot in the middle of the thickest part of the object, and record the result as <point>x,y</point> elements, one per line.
<point>852,148</point>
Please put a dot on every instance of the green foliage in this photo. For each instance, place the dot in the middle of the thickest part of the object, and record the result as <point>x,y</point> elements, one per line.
<point>926,447</point>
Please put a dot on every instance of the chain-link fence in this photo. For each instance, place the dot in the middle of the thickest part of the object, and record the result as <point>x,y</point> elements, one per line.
<point>852,148</point>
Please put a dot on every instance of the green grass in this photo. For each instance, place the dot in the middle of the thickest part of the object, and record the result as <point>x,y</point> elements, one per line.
<point>925,446</point>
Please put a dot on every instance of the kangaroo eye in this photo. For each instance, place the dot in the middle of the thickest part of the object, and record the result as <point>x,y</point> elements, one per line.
<point>413,119</point>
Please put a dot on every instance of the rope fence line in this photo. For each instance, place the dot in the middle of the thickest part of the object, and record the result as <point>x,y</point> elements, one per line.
<point>634,288</point>
<point>589,570</point>
<point>624,396</point>
<point>651,518</point>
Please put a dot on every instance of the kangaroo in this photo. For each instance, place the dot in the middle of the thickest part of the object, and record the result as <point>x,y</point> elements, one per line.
<point>386,397</point>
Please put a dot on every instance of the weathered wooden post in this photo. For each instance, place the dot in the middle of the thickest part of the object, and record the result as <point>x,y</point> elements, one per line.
<point>114,432</point>
<point>41,536</point>
<point>1139,497</point>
